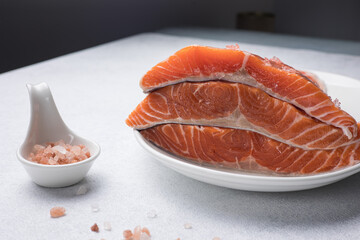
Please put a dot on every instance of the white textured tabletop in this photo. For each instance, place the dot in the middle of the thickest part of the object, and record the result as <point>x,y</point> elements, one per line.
<point>95,90</point>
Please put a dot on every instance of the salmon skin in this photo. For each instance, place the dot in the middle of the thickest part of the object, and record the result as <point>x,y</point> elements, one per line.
<point>235,105</point>
<point>247,150</point>
<point>199,63</point>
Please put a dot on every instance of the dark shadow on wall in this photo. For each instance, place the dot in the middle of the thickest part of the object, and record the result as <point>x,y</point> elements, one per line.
<point>33,31</point>
<point>326,19</point>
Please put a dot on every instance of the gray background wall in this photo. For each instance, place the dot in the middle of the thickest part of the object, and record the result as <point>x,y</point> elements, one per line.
<point>338,19</point>
<point>36,30</point>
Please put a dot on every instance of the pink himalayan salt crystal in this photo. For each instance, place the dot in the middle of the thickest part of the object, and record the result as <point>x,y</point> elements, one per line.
<point>337,103</point>
<point>146,231</point>
<point>216,238</point>
<point>59,148</point>
<point>56,212</point>
<point>76,150</point>
<point>276,62</point>
<point>151,214</point>
<point>107,226</point>
<point>139,234</point>
<point>95,228</point>
<point>187,226</point>
<point>38,147</point>
<point>127,234</point>
<point>57,153</point>
<point>233,47</point>
<point>81,190</point>
<point>95,207</point>
<point>144,236</point>
<point>51,161</point>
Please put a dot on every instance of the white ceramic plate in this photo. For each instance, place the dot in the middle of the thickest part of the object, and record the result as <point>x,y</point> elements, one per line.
<point>344,88</point>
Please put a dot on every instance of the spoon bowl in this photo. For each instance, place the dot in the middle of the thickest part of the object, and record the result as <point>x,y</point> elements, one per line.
<point>46,125</point>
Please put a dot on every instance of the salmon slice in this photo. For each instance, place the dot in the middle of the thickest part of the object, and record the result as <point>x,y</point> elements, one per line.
<point>198,63</point>
<point>235,105</point>
<point>247,150</point>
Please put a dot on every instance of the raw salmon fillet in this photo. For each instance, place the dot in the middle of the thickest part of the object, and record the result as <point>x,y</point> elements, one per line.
<point>230,108</point>
<point>247,150</point>
<point>198,63</point>
<point>235,105</point>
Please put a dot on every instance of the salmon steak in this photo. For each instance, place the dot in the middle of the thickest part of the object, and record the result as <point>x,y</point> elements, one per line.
<point>239,106</point>
<point>199,63</point>
<point>247,150</point>
<point>230,108</point>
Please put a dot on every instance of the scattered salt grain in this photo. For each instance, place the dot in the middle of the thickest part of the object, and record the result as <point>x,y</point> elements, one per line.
<point>95,228</point>
<point>187,226</point>
<point>233,47</point>
<point>145,230</point>
<point>144,236</point>
<point>337,103</point>
<point>81,190</point>
<point>107,226</point>
<point>151,214</point>
<point>95,208</point>
<point>56,212</point>
<point>138,234</point>
<point>127,234</point>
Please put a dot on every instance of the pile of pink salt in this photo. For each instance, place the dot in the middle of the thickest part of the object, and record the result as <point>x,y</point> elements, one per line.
<point>58,153</point>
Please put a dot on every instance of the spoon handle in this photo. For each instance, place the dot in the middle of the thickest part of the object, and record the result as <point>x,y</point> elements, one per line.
<point>45,118</point>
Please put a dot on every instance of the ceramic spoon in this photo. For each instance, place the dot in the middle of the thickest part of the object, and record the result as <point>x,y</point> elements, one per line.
<point>46,125</point>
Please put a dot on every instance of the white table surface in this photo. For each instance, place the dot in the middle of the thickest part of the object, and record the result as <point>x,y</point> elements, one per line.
<point>95,90</point>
